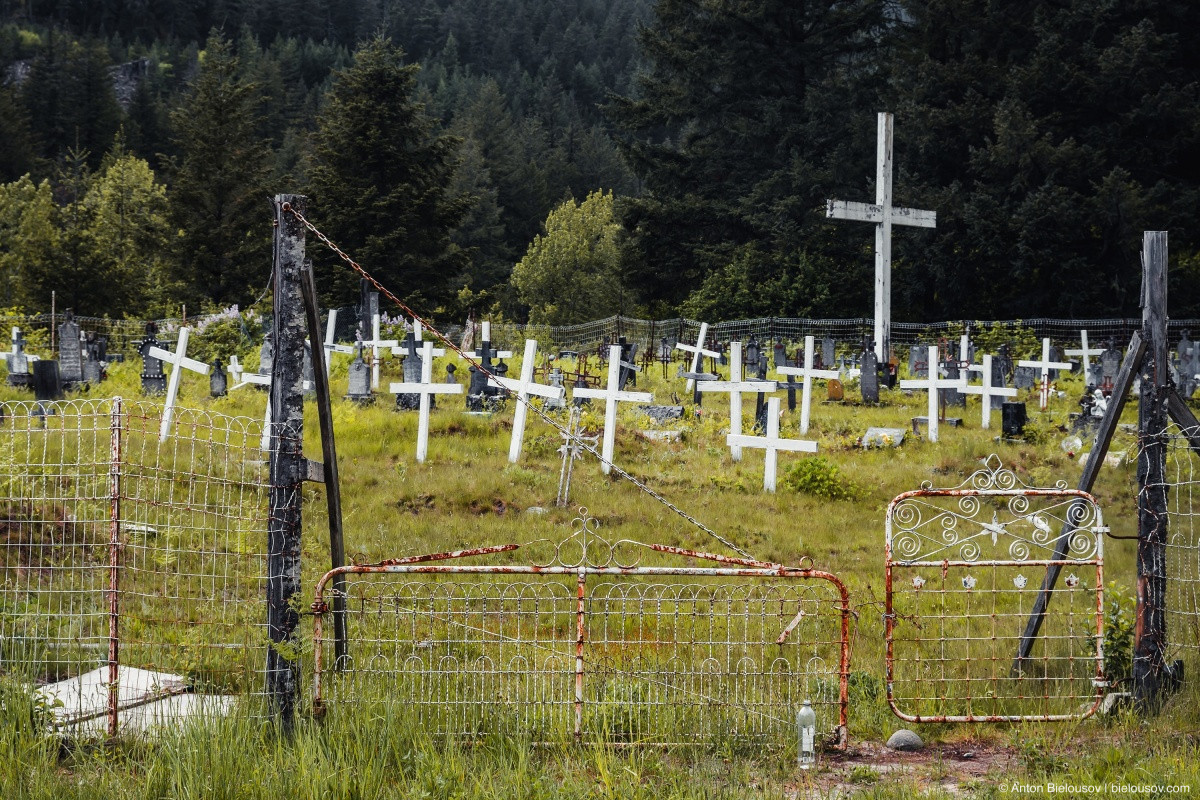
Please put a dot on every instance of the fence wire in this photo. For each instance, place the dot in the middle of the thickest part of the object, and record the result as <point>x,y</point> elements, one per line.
<point>121,551</point>
<point>1183,541</point>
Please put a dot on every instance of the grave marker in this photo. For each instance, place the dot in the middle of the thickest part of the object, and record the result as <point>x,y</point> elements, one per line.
<point>426,388</point>
<point>179,362</point>
<point>933,384</point>
<point>807,374</point>
<point>70,350</point>
<point>883,215</point>
<point>988,391</point>
<point>523,389</point>
<point>153,380</point>
<point>612,395</point>
<point>698,351</point>
<point>771,443</point>
<point>735,386</point>
<point>1084,353</point>
<point>1045,365</point>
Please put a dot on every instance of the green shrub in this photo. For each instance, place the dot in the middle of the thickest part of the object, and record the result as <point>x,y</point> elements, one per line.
<point>819,477</point>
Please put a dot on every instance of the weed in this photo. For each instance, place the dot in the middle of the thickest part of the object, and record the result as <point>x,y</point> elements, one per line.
<point>819,477</point>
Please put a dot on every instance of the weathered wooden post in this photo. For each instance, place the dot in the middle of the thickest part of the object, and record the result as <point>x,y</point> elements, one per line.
<point>1151,676</point>
<point>287,463</point>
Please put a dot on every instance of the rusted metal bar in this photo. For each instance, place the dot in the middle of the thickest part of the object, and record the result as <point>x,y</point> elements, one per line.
<point>1091,470</point>
<point>114,566</point>
<point>580,634</point>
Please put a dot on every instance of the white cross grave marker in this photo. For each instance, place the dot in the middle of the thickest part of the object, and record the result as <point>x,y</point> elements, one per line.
<point>697,352</point>
<point>611,396</point>
<point>426,388</point>
<point>244,378</point>
<point>884,215</point>
<point>487,337</point>
<point>179,362</point>
<point>523,388</point>
<point>1045,365</point>
<point>932,384</point>
<point>377,345</point>
<point>986,391</point>
<point>402,350</point>
<point>807,373</point>
<point>736,386</point>
<point>1084,353</point>
<point>771,443</point>
<point>331,346</point>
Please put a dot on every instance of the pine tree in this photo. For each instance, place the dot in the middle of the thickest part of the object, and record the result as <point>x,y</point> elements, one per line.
<point>379,180</point>
<point>218,197</point>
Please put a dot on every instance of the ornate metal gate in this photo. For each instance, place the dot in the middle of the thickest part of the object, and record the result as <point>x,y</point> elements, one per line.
<point>964,566</point>
<point>588,641</point>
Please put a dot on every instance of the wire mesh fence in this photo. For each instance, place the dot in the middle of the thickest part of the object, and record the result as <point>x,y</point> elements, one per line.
<point>586,645</point>
<point>132,569</point>
<point>964,567</point>
<point>1183,541</point>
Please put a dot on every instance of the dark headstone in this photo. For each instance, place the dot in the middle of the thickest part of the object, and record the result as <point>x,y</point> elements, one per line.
<point>1025,378</point>
<point>556,380</point>
<point>153,379</point>
<point>1013,418</point>
<point>828,352</point>
<point>70,351</point>
<point>999,380</point>
<point>780,355</point>
<point>953,397</point>
<point>476,389</point>
<point>580,402</point>
<point>868,378</point>
<point>47,381</point>
<point>218,384</point>
<point>918,357</point>
<point>663,414</point>
<point>92,372</point>
<point>412,374</point>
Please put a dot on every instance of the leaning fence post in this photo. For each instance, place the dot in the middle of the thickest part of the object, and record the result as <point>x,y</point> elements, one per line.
<point>114,564</point>
<point>1150,674</point>
<point>287,465</point>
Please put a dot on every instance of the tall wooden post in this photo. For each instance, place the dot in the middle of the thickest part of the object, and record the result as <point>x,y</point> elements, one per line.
<point>287,464</point>
<point>1150,674</point>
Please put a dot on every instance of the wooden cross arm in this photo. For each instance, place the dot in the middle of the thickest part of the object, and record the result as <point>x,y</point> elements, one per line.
<point>923,384</point>
<point>348,349</point>
<point>495,354</point>
<point>1044,364</point>
<point>604,394</point>
<point>764,442</point>
<point>819,374</point>
<point>1088,352</point>
<point>437,352</point>
<point>870,212</point>
<point>171,358</point>
<point>738,386</point>
<point>696,349</point>
<point>425,388</point>
<point>517,387</point>
<point>253,378</point>
<point>992,390</point>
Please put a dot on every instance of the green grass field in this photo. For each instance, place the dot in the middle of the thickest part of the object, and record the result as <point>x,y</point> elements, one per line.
<point>467,495</point>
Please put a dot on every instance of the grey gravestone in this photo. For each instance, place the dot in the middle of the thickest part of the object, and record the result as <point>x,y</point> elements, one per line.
<point>999,380</point>
<point>883,437</point>
<point>780,355</point>
<point>953,397</point>
<point>412,374</point>
<point>1110,365</point>
<point>828,352</point>
<point>580,402</point>
<point>868,379</point>
<point>18,362</point>
<point>96,347</point>
<point>663,414</point>
<point>47,381</point>
<point>93,372</point>
<point>450,376</point>
<point>218,384</point>
<point>628,372</point>
<point>266,356</point>
<point>556,380</point>
<point>1025,378</point>
<point>70,351</point>
<point>1056,354</point>
<point>1095,374</point>
<point>153,379</point>
<point>918,356</point>
<point>476,389</point>
<point>359,380</point>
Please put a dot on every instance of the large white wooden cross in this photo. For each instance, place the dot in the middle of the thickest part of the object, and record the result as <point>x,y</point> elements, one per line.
<point>932,384</point>
<point>611,395</point>
<point>331,346</point>
<point>1084,353</point>
<point>884,215</point>
<point>986,390</point>
<point>697,352</point>
<point>807,374</point>
<point>487,338</point>
<point>771,443</point>
<point>523,388</point>
<point>1045,365</point>
<point>736,386</point>
<point>426,388</point>
<point>377,345</point>
<point>179,362</point>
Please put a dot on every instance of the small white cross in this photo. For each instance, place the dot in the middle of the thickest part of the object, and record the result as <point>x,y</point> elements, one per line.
<point>736,386</point>
<point>377,345</point>
<point>964,351</point>
<point>331,346</point>
<point>1084,353</point>
<point>487,338</point>
<point>426,388</point>
<point>986,391</point>
<point>179,362</point>
<point>243,378</point>
<point>884,215</point>
<point>1045,365</point>
<point>611,396</point>
<point>932,384</point>
<point>771,443</point>
<point>807,373</point>
<point>401,350</point>
<point>697,352</point>
<point>523,388</point>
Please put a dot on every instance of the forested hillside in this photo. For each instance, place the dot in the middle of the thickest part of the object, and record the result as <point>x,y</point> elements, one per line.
<point>436,137</point>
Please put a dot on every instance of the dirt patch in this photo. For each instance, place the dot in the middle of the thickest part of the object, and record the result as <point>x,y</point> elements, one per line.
<point>417,504</point>
<point>948,768</point>
<point>496,506</point>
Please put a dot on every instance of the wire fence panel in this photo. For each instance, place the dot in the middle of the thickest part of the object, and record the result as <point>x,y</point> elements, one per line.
<point>126,554</point>
<point>1183,540</point>
<point>588,644</point>
<point>964,566</point>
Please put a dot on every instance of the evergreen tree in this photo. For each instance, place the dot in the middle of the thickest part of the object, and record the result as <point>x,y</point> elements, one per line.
<point>18,155</point>
<point>218,197</point>
<point>29,242</point>
<point>379,181</point>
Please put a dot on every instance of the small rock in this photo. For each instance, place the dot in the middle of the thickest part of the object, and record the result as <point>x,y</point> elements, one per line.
<point>535,510</point>
<point>905,741</point>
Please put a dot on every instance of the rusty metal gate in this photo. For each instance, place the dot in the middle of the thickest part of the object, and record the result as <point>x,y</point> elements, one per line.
<point>964,567</point>
<point>588,641</point>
